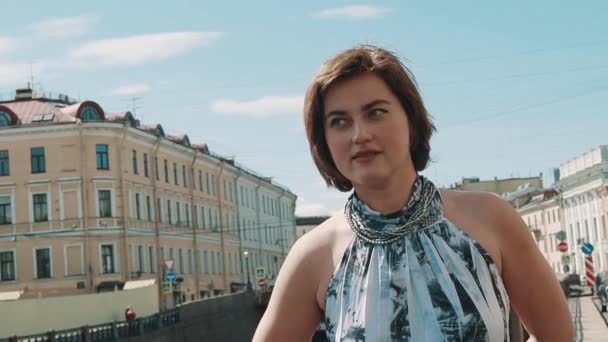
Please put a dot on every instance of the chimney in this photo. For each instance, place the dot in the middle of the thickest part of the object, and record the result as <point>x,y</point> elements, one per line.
<point>23,94</point>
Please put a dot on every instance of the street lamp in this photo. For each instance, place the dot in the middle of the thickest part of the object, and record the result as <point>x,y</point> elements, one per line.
<point>246,253</point>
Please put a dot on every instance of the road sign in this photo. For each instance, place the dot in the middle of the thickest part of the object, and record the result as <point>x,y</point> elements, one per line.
<point>587,248</point>
<point>169,263</point>
<point>562,246</point>
<point>566,268</point>
<point>589,273</point>
<point>170,276</point>
<point>167,287</point>
<point>262,282</point>
<point>561,235</point>
<point>566,259</point>
<point>260,272</point>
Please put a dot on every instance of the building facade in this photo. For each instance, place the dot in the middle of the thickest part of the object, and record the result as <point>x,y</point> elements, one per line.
<point>584,198</point>
<point>497,186</point>
<point>90,199</point>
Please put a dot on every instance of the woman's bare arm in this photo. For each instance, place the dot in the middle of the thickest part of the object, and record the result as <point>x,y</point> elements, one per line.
<point>293,313</point>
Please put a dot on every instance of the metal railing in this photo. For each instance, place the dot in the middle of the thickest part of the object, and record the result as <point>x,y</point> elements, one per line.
<point>113,331</point>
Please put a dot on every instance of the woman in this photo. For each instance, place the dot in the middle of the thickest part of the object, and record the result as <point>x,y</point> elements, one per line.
<point>406,261</point>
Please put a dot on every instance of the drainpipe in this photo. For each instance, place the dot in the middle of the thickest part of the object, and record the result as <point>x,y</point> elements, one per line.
<point>90,277</point>
<point>159,262</point>
<point>124,196</point>
<point>258,218</point>
<point>194,232</point>
<point>238,222</point>
<point>220,199</point>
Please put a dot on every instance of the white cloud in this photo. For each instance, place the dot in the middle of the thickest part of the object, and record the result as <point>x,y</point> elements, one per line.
<point>8,44</point>
<point>355,12</point>
<point>64,27</point>
<point>262,107</point>
<point>136,50</point>
<point>132,89</point>
<point>20,73</point>
<point>305,208</point>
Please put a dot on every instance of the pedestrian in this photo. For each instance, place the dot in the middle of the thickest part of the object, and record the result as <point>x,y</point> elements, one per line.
<point>130,316</point>
<point>404,261</point>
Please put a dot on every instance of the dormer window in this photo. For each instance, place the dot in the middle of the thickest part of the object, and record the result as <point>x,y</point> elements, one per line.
<point>89,114</point>
<point>5,119</point>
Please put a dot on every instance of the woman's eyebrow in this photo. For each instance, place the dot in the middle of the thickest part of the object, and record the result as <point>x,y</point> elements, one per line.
<point>364,107</point>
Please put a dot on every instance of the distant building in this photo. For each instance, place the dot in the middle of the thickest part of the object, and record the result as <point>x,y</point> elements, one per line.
<point>584,195</point>
<point>90,200</point>
<point>497,186</point>
<point>307,223</point>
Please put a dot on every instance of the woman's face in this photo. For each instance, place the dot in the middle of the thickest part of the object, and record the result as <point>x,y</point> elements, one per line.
<point>367,130</point>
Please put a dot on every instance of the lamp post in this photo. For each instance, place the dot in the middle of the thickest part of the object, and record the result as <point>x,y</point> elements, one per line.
<point>246,253</point>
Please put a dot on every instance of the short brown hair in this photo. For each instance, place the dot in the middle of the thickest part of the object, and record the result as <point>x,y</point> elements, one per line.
<point>400,80</point>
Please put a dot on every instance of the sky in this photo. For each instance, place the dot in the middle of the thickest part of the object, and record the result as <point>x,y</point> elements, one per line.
<point>515,88</point>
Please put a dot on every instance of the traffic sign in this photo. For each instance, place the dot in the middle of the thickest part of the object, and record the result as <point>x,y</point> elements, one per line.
<point>167,287</point>
<point>566,268</point>
<point>170,276</point>
<point>566,259</point>
<point>260,272</point>
<point>561,235</point>
<point>169,263</point>
<point>587,248</point>
<point>262,282</point>
<point>562,246</point>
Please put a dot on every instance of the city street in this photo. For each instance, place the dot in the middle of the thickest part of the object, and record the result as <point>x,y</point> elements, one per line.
<point>588,322</point>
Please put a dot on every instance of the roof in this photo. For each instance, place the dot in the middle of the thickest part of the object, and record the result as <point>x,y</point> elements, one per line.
<point>27,111</point>
<point>10,295</point>
<point>136,284</point>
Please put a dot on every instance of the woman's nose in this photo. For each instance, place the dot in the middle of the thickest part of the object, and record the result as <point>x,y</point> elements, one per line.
<point>361,133</point>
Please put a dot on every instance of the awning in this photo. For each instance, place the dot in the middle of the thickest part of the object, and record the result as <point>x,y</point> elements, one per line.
<point>12,295</point>
<point>135,284</point>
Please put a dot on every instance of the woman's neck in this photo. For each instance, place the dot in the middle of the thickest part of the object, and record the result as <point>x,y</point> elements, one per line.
<point>389,197</point>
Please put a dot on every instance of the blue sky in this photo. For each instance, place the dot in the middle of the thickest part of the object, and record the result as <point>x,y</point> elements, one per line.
<point>515,88</point>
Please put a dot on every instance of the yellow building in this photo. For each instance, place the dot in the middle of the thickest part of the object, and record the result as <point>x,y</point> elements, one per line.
<point>90,200</point>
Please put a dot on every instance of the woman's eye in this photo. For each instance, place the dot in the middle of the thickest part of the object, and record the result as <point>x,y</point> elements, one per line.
<point>337,122</point>
<point>377,112</point>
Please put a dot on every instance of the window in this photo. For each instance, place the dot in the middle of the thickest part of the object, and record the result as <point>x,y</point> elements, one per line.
<point>146,173</point>
<point>229,263</point>
<point>149,207</point>
<point>184,176</point>
<point>137,206</point>
<point>43,263</point>
<point>178,213</point>
<point>140,257</point>
<point>107,259</point>
<point>101,152</point>
<point>156,168</point>
<point>5,119</point>
<point>175,174</point>
<point>203,217</point>
<point>40,208</point>
<point>166,171</point>
<point>169,216</point>
<point>212,261</point>
<point>89,113</point>
<point>135,171</point>
<point>213,186</point>
<point>187,215</point>
<point>105,203</point>
<point>160,213</point>
<point>5,210</point>
<point>206,257</point>
<point>225,193</point>
<point>230,191</point>
<point>190,262</point>
<point>5,169</point>
<point>152,258</point>
<point>180,253</point>
<point>220,263</point>
<point>207,182</point>
<point>38,162</point>
<point>200,180</point>
<point>7,266</point>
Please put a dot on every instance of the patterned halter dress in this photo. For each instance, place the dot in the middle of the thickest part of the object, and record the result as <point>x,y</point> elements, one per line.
<point>414,276</point>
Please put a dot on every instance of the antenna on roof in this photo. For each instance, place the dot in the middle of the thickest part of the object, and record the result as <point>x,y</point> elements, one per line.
<point>135,106</point>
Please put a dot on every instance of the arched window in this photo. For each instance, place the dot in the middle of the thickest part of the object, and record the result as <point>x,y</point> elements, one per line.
<point>89,114</point>
<point>5,119</point>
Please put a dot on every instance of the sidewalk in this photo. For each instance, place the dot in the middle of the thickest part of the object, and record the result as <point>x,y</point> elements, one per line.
<point>588,322</point>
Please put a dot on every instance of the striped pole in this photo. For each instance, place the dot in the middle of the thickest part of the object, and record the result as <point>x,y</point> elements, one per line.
<point>589,271</point>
